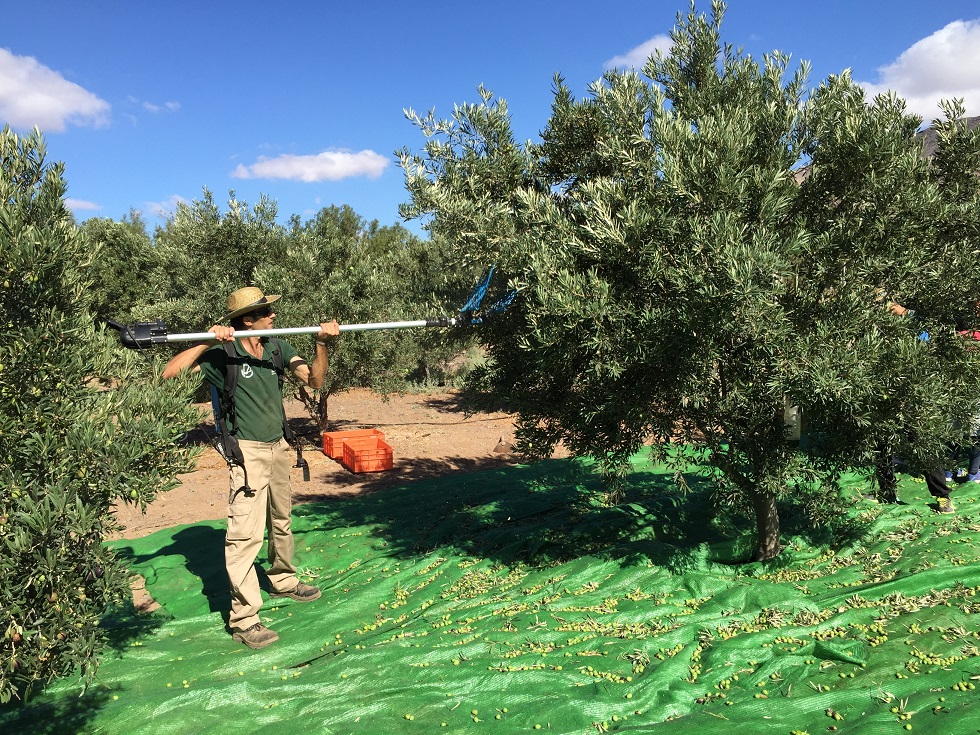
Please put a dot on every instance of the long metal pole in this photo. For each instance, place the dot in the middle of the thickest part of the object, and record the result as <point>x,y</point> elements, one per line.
<point>201,336</point>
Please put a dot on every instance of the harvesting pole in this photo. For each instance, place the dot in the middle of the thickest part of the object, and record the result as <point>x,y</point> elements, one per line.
<point>148,334</point>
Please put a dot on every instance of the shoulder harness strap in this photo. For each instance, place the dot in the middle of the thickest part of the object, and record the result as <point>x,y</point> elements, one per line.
<point>232,365</point>
<point>224,413</point>
<point>280,369</point>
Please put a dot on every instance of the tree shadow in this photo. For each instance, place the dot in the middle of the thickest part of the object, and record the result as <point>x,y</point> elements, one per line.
<point>548,512</point>
<point>453,403</point>
<point>202,547</point>
<point>64,713</point>
<point>124,625</point>
<point>554,511</point>
<point>404,471</point>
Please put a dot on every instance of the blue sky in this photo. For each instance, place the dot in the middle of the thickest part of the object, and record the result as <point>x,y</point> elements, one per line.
<point>147,103</point>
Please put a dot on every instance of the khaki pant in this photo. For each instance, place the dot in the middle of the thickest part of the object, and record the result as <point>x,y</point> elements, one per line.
<point>268,505</point>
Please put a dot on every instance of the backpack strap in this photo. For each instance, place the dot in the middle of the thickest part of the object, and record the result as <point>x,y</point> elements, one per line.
<point>287,432</point>
<point>232,368</point>
<point>223,405</point>
<point>281,374</point>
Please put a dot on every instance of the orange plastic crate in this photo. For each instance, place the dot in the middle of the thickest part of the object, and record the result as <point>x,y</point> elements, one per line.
<point>369,454</point>
<point>333,441</point>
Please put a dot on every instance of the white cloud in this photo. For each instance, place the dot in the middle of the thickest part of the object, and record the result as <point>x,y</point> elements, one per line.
<point>326,166</point>
<point>941,66</point>
<point>80,204</point>
<point>165,208</point>
<point>32,94</point>
<point>155,108</point>
<point>637,57</point>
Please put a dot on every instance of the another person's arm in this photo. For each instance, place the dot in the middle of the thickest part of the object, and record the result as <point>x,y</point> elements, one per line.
<point>899,310</point>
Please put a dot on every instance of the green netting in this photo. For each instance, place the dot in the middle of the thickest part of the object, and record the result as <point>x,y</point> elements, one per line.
<point>506,600</point>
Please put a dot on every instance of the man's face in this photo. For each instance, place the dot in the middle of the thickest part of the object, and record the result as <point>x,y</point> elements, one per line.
<point>262,318</point>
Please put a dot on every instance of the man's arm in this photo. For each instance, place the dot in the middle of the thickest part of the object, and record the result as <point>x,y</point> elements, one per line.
<point>881,296</point>
<point>898,309</point>
<point>187,359</point>
<point>314,374</point>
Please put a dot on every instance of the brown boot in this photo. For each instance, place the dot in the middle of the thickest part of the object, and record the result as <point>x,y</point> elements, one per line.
<point>258,636</point>
<point>301,593</point>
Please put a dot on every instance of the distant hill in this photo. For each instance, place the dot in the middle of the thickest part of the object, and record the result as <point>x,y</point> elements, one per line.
<point>930,142</point>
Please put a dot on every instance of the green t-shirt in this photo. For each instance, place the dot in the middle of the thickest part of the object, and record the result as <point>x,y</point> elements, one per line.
<point>258,400</point>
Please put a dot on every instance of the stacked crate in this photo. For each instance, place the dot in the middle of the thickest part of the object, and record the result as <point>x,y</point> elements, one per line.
<point>359,450</point>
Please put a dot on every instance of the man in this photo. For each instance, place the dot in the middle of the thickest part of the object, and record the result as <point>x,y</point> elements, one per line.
<point>259,495</point>
<point>938,477</point>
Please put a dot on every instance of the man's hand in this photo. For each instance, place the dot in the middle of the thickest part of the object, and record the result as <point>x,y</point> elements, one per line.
<point>328,330</point>
<point>222,333</point>
<point>314,374</point>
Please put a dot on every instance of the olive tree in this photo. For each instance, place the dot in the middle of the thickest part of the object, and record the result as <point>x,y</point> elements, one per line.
<point>337,265</point>
<point>334,265</point>
<point>122,269</point>
<point>83,425</point>
<point>202,254</point>
<point>703,244</point>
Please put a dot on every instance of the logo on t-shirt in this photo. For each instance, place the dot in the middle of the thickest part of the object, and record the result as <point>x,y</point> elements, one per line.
<point>246,370</point>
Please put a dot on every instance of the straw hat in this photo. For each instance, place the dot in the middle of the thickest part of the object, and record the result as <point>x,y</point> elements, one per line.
<point>247,299</point>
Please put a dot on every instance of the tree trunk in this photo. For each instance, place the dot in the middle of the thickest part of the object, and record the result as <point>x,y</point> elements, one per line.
<point>323,414</point>
<point>887,484</point>
<point>766,525</point>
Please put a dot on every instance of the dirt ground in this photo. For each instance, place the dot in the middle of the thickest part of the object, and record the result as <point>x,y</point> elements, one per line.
<point>430,437</point>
